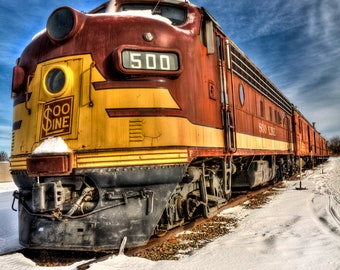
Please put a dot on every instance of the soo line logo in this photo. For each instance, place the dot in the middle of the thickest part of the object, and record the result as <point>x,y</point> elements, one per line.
<point>57,117</point>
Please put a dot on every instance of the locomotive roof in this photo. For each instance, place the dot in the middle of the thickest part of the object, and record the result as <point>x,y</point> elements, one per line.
<point>248,71</point>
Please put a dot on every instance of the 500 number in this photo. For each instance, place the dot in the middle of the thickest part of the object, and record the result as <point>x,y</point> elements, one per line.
<point>149,60</point>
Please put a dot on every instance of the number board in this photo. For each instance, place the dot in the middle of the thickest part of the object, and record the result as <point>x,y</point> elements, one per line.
<point>147,60</point>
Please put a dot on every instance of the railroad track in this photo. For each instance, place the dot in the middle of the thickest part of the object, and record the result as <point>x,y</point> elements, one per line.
<point>62,258</point>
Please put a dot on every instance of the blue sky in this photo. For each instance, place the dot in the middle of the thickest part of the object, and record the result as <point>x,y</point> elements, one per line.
<point>295,43</point>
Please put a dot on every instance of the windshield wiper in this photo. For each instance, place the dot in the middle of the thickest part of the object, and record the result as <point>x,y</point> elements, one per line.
<point>153,12</point>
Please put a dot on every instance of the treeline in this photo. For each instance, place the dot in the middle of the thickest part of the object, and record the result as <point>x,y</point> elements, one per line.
<point>334,145</point>
<point>3,156</point>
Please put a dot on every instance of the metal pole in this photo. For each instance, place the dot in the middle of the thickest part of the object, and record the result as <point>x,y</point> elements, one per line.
<point>300,172</point>
<point>300,188</point>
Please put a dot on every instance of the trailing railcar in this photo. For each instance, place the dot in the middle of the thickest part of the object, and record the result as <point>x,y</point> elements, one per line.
<point>263,143</point>
<point>134,118</point>
<point>311,147</point>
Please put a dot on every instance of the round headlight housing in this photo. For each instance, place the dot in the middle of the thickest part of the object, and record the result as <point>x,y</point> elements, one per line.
<point>58,79</point>
<point>55,80</point>
<point>62,24</point>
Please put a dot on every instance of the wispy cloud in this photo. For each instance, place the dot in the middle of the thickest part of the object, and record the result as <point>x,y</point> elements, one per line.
<point>323,21</point>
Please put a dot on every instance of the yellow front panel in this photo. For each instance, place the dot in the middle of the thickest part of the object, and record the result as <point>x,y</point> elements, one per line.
<point>51,114</point>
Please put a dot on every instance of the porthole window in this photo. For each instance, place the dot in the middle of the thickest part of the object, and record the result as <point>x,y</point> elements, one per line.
<point>55,80</point>
<point>241,94</point>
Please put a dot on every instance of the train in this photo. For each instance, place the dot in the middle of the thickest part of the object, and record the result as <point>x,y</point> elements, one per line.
<point>138,116</point>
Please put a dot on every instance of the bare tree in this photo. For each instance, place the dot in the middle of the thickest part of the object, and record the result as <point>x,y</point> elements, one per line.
<point>3,156</point>
<point>334,145</point>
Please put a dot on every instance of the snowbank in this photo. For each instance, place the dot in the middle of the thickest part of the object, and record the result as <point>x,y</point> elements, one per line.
<point>296,230</point>
<point>7,186</point>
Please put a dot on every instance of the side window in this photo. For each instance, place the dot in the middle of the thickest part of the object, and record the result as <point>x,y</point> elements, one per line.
<point>278,118</point>
<point>220,47</point>
<point>176,14</point>
<point>209,37</point>
<point>262,110</point>
<point>300,126</point>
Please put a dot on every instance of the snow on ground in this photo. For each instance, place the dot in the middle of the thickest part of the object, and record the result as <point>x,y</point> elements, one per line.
<point>6,187</point>
<point>8,220</point>
<point>297,229</point>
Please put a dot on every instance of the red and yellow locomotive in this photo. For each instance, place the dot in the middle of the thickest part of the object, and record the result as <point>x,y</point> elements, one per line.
<point>135,117</point>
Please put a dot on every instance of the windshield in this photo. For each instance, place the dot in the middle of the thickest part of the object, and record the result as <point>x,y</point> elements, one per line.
<point>177,15</point>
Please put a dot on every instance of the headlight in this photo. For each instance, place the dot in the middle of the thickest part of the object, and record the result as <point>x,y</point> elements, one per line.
<point>55,80</point>
<point>63,23</point>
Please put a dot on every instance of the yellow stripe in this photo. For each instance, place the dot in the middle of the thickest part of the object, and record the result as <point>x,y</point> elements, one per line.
<point>164,156</point>
<point>119,158</point>
<point>245,141</point>
<point>145,157</point>
<point>140,98</point>
<point>18,163</point>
